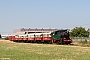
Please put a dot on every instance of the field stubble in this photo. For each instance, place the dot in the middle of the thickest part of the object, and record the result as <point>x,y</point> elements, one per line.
<point>28,51</point>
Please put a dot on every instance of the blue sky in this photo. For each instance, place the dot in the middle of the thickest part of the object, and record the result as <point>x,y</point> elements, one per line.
<point>15,14</point>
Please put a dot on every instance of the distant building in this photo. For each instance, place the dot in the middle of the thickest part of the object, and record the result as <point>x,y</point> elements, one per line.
<point>5,35</point>
<point>25,31</point>
<point>89,31</point>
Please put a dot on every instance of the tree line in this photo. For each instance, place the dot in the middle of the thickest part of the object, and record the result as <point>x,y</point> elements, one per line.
<point>79,32</point>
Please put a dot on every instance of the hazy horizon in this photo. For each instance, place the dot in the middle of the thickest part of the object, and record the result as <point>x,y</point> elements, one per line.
<point>62,14</point>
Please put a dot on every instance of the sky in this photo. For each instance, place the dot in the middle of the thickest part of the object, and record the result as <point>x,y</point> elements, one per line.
<point>61,14</point>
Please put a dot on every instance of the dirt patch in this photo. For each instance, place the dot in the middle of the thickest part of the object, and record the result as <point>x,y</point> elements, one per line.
<point>5,41</point>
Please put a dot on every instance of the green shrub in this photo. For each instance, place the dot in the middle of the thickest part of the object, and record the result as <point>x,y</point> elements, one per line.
<point>6,38</point>
<point>83,41</point>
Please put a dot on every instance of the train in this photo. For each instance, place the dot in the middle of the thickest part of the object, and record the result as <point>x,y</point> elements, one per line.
<point>58,37</point>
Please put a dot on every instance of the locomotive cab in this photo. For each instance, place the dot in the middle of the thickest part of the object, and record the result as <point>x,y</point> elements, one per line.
<point>61,36</point>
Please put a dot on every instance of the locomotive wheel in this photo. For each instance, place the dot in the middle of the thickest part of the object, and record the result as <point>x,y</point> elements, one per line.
<point>61,41</point>
<point>57,41</point>
<point>50,42</point>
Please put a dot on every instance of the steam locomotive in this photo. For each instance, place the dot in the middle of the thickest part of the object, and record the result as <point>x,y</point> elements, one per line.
<point>59,37</point>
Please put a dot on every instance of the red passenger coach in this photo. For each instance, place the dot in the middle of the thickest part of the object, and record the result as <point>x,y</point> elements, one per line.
<point>38,37</point>
<point>31,37</point>
<point>47,36</point>
<point>11,38</point>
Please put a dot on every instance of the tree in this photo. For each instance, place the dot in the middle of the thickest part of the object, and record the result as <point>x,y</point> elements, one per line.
<point>79,32</point>
<point>0,35</point>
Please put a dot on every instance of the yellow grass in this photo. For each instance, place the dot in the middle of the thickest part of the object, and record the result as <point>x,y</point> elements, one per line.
<point>32,51</point>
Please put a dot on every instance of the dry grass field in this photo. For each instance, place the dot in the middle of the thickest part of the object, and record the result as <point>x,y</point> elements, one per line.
<point>32,51</point>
